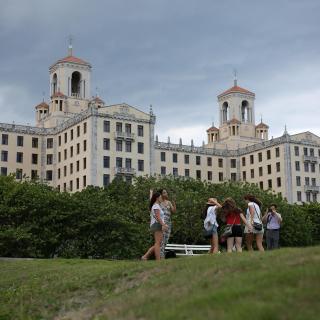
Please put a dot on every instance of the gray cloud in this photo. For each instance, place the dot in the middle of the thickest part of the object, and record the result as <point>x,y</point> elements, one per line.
<point>176,55</point>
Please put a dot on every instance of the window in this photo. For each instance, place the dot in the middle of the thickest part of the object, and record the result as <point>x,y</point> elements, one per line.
<point>65,152</point>
<point>19,174</point>
<point>128,128</point>
<point>4,156</point>
<point>244,175</point>
<point>314,197</point>
<point>260,156</point>
<point>78,131</point>
<point>268,154</point>
<point>260,171</point>
<point>261,185</point>
<point>297,166</point>
<point>198,160</point>
<point>119,162</point>
<point>186,159</point>
<point>78,165</point>
<point>106,180</point>
<point>163,156</point>
<point>175,172</point>
<point>296,151</point>
<point>70,185</point>
<point>140,131</point>
<point>305,151</point>
<point>313,181</point>
<point>20,141</point>
<point>140,165</point>
<point>306,167</point>
<point>128,146</point>
<point>140,147</point>
<point>128,179</point>
<point>163,170</point>
<point>4,171</point>
<point>106,144</point>
<point>251,159</point>
<point>278,166</point>
<point>298,195</point>
<point>277,152</point>
<point>220,164</point>
<point>65,171</point>
<point>71,168</point>
<point>65,137</point>
<point>209,175</point>
<point>128,163</point>
<point>243,161</point>
<point>270,183</point>
<point>59,173</point>
<point>84,181</point>
<point>269,168</point>
<point>5,139</point>
<point>71,151</point>
<point>252,173</point>
<point>59,141</point>
<point>298,181</point>
<point>313,167</point>
<point>118,145</point>
<point>119,127</point>
<point>49,175</point>
<point>187,173</point>
<point>34,158</point>
<point>308,196</point>
<point>84,145</point>
<point>106,162</point>
<point>84,163</point>
<point>64,187</point>
<point>49,158</point>
<point>209,162</point>
<point>233,176</point>
<point>198,174</point>
<point>49,143</point>
<point>85,128</point>
<point>307,181</point>
<point>220,176</point>
<point>175,157</point>
<point>19,157</point>
<point>233,163</point>
<point>34,143</point>
<point>106,126</point>
<point>59,156</point>
<point>71,134</point>
<point>278,182</point>
<point>34,174</point>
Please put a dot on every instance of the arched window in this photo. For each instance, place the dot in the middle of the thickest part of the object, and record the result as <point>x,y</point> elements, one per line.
<point>225,112</point>
<point>245,111</point>
<point>75,83</point>
<point>54,83</point>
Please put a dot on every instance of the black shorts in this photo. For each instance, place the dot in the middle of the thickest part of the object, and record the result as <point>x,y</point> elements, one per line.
<point>236,231</point>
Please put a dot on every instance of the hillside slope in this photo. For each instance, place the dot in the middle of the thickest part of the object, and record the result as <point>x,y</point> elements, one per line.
<point>282,284</point>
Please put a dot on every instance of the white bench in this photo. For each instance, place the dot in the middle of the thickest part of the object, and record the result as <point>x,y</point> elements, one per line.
<point>187,249</point>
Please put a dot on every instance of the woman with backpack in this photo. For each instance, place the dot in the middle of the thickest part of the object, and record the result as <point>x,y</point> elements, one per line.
<point>210,224</point>
<point>233,231</point>
<point>254,229</point>
<point>157,226</point>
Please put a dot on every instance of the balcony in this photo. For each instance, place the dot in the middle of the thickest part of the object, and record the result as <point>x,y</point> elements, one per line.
<point>124,135</point>
<point>125,171</point>
<point>311,188</point>
<point>310,159</point>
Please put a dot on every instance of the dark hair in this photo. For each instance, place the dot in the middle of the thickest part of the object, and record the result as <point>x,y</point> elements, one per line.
<point>252,198</point>
<point>153,199</point>
<point>160,191</point>
<point>229,205</point>
<point>273,205</point>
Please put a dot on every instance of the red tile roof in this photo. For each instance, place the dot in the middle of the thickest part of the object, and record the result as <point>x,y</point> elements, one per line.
<point>212,129</point>
<point>262,125</point>
<point>42,105</point>
<point>58,95</point>
<point>236,89</point>
<point>72,59</point>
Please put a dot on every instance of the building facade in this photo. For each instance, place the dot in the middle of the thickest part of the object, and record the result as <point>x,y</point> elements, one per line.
<point>78,141</point>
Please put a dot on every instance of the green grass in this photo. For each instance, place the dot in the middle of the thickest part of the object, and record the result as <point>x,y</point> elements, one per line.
<point>283,284</point>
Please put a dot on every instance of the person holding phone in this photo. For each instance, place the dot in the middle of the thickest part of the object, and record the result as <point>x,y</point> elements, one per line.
<point>273,220</point>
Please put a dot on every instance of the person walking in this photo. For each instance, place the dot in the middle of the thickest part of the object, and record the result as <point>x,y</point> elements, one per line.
<point>233,232</point>
<point>168,208</point>
<point>211,225</point>
<point>157,226</point>
<point>273,220</point>
<point>255,226</point>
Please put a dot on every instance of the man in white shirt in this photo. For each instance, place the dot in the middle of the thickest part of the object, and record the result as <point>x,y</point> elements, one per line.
<point>273,220</point>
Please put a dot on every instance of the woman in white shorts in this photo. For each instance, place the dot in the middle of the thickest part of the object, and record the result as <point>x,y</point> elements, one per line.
<point>254,229</point>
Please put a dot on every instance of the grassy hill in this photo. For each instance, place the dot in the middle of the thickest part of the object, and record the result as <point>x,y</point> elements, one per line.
<point>283,284</point>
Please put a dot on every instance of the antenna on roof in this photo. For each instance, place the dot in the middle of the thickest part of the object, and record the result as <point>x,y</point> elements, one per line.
<point>43,94</point>
<point>70,39</point>
<point>235,80</point>
<point>97,92</point>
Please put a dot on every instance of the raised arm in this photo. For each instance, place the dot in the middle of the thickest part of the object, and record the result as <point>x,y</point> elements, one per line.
<point>150,194</point>
<point>265,217</point>
<point>278,216</point>
<point>173,206</point>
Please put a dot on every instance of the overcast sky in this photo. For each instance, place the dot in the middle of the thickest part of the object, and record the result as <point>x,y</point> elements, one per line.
<point>177,55</point>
